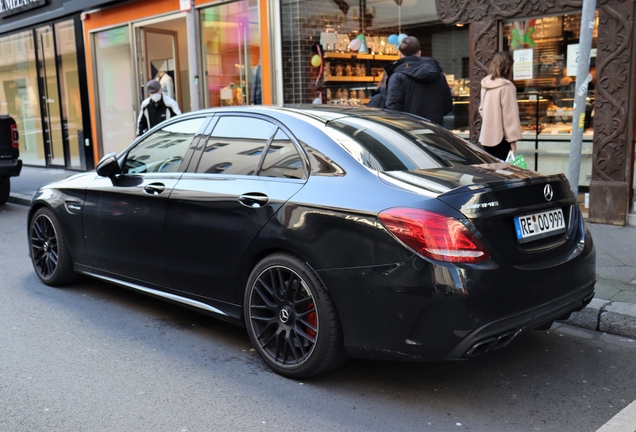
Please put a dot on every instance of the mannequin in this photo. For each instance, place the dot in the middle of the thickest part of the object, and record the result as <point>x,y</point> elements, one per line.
<point>167,84</point>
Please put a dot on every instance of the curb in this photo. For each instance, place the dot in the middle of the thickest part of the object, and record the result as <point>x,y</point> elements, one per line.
<point>605,316</point>
<point>18,198</point>
<point>600,315</point>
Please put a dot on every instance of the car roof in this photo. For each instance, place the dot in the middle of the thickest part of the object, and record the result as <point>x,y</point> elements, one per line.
<point>321,113</point>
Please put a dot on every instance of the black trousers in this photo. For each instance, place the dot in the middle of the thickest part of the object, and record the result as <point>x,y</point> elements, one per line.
<point>499,151</point>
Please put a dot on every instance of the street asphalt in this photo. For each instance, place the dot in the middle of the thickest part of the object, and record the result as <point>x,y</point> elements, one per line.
<point>612,311</point>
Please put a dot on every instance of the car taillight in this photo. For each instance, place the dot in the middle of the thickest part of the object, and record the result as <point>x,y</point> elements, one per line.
<point>433,235</point>
<point>14,136</point>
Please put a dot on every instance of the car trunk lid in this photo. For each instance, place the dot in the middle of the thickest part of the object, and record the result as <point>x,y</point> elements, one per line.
<point>499,200</point>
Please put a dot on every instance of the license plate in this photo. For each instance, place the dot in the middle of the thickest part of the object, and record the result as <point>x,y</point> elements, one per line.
<point>539,225</point>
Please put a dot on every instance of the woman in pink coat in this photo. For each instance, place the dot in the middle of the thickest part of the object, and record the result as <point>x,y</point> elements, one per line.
<point>500,127</point>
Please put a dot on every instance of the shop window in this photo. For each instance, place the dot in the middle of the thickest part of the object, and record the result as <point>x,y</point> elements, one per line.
<point>231,54</point>
<point>546,54</point>
<point>112,65</point>
<point>350,73</point>
<point>20,95</point>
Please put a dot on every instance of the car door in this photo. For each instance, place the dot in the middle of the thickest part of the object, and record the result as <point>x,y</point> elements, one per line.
<point>124,217</point>
<point>248,167</point>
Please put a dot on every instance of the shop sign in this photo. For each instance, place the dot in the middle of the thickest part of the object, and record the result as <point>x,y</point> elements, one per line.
<point>573,58</point>
<point>12,7</point>
<point>185,5</point>
<point>522,67</point>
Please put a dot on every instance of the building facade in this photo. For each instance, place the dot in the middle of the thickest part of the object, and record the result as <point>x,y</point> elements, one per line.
<point>73,72</point>
<point>43,81</point>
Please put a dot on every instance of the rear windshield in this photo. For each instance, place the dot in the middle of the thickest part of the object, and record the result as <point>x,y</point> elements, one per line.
<point>400,143</point>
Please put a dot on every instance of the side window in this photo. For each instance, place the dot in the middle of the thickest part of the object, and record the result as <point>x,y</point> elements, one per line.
<point>235,145</point>
<point>282,159</point>
<point>163,151</point>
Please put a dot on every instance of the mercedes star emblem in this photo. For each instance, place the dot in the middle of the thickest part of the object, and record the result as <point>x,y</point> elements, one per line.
<point>284,315</point>
<point>548,193</point>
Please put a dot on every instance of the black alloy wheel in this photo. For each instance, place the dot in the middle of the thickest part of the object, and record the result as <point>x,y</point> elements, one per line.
<point>291,319</point>
<point>49,252</point>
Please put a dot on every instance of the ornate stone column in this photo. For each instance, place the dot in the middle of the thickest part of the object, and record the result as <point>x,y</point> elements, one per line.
<point>612,160</point>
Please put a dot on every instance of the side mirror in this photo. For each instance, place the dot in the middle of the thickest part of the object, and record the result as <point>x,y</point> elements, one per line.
<point>108,166</point>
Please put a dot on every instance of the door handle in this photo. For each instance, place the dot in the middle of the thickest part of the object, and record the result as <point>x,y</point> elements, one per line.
<point>154,188</point>
<point>254,200</point>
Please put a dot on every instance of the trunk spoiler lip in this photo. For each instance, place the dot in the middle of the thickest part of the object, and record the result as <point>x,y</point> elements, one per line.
<point>504,184</point>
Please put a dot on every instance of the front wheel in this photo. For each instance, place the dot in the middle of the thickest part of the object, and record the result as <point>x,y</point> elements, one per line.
<point>291,319</point>
<point>49,252</point>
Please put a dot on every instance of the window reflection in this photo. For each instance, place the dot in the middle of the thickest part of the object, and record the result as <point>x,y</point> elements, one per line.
<point>163,150</point>
<point>407,145</point>
<point>235,145</point>
<point>282,159</point>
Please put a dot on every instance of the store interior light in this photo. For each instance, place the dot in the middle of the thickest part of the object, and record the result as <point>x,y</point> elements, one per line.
<point>459,25</point>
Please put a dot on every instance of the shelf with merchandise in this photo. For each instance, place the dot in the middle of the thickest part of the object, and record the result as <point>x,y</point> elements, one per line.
<point>356,56</point>
<point>345,79</point>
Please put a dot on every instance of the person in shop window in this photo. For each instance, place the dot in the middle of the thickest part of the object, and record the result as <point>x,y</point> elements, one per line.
<point>155,108</point>
<point>417,85</point>
<point>378,96</point>
<point>500,125</point>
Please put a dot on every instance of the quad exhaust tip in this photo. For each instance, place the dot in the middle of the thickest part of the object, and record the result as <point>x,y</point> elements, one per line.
<point>492,343</point>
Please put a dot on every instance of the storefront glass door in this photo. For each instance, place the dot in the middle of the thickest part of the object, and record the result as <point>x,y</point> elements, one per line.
<point>157,58</point>
<point>49,96</point>
<point>70,97</point>
<point>231,53</point>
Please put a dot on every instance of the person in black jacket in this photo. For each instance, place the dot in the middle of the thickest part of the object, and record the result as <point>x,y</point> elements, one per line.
<point>156,108</point>
<point>417,85</point>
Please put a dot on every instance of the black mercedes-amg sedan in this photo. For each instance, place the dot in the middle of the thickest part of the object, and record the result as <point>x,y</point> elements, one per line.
<point>328,232</point>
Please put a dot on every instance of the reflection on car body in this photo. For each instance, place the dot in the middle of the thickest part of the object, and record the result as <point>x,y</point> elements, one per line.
<point>328,232</point>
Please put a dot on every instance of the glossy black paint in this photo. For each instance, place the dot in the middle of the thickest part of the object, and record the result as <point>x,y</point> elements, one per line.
<point>197,236</point>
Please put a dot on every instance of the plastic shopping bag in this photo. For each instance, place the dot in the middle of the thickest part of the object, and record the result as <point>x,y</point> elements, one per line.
<point>516,160</point>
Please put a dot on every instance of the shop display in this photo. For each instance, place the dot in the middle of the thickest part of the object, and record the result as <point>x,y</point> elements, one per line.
<point>351,73</point>
<point>551,113</point>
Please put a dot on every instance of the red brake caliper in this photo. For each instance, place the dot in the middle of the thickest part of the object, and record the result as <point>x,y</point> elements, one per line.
<point>311,319</point>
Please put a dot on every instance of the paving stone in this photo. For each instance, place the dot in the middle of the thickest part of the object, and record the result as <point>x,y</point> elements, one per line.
<point>605,289</point>
<point>607,261</point>
<point>618,273</point>
<point>625,297</point>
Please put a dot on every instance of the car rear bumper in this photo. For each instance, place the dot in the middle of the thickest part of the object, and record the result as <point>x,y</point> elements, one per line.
<point>10,167</point>
<point>419,310</point>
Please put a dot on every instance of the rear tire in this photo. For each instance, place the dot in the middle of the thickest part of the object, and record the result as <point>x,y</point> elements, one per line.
<point>5,189</point>
<point>49,252</point>
<point>291,319</point>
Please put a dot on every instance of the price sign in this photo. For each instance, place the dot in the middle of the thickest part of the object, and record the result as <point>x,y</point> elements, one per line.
<point>522,69</point>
